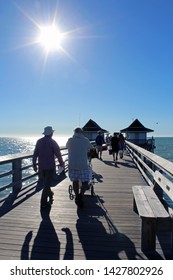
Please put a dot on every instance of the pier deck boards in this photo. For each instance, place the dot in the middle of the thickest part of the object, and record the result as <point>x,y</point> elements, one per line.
<point>107,228</point>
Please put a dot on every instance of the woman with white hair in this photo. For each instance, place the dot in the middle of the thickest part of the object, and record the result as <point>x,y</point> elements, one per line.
<point>78,146</point>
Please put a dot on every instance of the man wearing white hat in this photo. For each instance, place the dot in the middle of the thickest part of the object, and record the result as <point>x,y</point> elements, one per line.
<point>45,151</point>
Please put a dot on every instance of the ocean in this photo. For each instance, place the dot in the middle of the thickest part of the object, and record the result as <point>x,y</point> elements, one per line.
<point>164,147</point>
<point>13,145</point>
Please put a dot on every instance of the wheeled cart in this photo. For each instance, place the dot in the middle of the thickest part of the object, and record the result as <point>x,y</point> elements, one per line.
<point>90,184</point>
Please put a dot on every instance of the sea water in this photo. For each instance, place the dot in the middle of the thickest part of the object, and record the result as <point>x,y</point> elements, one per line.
<point>164,147</point>
<point>13,145</point>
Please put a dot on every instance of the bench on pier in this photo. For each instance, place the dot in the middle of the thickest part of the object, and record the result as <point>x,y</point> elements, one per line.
<point>153,214</point>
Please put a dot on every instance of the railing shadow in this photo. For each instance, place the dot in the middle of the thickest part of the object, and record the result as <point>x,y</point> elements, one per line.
<point>97,242</point>
<point>22,194</point>
<point>111,163</point>
<point>16,198</point>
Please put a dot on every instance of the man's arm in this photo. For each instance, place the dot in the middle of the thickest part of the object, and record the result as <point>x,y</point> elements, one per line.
<point>34,158</point>
<point>58,153</point>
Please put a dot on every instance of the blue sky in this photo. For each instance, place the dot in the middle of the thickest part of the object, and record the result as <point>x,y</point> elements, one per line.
<point>116,65</point>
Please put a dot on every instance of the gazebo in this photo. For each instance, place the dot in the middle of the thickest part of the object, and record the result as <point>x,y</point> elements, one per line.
<point>136,133</point>
<point>91,129</point>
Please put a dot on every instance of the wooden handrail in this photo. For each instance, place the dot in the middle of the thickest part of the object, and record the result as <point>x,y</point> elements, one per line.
<point>146,162</point>
<point>150,165</point>
<point>18,170</point>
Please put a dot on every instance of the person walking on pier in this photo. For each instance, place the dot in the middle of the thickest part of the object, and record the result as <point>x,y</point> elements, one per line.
<point>45,151</point>
<point>99,142</point>
<point>121,145</point>
<point>78,146</point>
<point>115,146</point>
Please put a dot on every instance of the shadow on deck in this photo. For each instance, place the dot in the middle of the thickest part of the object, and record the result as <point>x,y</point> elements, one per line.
<point>106,229</point>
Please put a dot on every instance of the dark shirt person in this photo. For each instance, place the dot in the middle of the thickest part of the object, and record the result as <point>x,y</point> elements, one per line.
<point>99,144</point>
<point>45,151</point>
<point>115,146</point>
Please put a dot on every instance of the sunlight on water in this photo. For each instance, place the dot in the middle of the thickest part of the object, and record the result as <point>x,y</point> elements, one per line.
<point>31,141</point>
<point>14,145</point>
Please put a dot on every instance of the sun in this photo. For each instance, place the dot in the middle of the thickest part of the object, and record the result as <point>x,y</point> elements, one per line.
<point>50,37</point>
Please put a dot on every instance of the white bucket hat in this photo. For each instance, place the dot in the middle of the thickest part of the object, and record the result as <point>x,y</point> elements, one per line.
<point>48,130</point>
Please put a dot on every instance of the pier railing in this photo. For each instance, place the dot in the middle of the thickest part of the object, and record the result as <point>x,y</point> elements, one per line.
<point>157,171</point>
<point>17,170</point>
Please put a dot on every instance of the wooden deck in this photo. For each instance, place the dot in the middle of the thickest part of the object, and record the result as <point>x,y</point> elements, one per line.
<point>107,228</point>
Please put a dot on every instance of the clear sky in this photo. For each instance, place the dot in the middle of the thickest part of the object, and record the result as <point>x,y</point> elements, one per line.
<point>113,63</point>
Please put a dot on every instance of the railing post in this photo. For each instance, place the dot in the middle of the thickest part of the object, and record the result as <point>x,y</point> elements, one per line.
<point>17,173</point>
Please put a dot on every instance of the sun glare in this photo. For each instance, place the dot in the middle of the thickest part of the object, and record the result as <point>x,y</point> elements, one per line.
<point>50,38</point>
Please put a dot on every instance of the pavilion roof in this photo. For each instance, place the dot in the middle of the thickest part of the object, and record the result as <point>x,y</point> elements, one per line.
<point>92,126</point>
<point>136,126</point>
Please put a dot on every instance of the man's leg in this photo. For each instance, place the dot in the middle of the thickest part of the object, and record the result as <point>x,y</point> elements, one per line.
<point>47,176</point>
<point>100,152</point>
<point>117,155</point>
<point>113,154</point>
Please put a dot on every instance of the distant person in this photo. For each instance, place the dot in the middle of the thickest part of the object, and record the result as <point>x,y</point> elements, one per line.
<point>121,145</point>
<point>45,151</point>
<point>78,146</point>
<point>99,143</point>
<point>107,139</point>
<point>115,146</point>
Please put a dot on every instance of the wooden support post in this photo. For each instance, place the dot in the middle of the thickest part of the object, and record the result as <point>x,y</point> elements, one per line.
<point>148,234</point>
<point>17,173</point>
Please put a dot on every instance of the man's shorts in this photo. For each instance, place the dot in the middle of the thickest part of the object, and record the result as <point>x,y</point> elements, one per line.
<point>82,175</point>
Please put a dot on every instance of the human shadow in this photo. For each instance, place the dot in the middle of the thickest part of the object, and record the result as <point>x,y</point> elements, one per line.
<point>100,238</point>
<point>69,250</point>
<point>127,163</point>
<point>98,178</point>
<point>46,245</point>
<point>26,246</point>
<point>118,163</point>
<point>111,163</point>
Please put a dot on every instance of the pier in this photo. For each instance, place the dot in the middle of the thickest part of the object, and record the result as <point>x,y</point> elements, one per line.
<point>107,228</point>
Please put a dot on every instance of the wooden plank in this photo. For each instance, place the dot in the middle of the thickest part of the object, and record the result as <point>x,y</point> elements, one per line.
<point>143,206</point>
<point>148,203</point>
<point>151,211</point>
<point>107,228</point>
<point>155,204</point>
